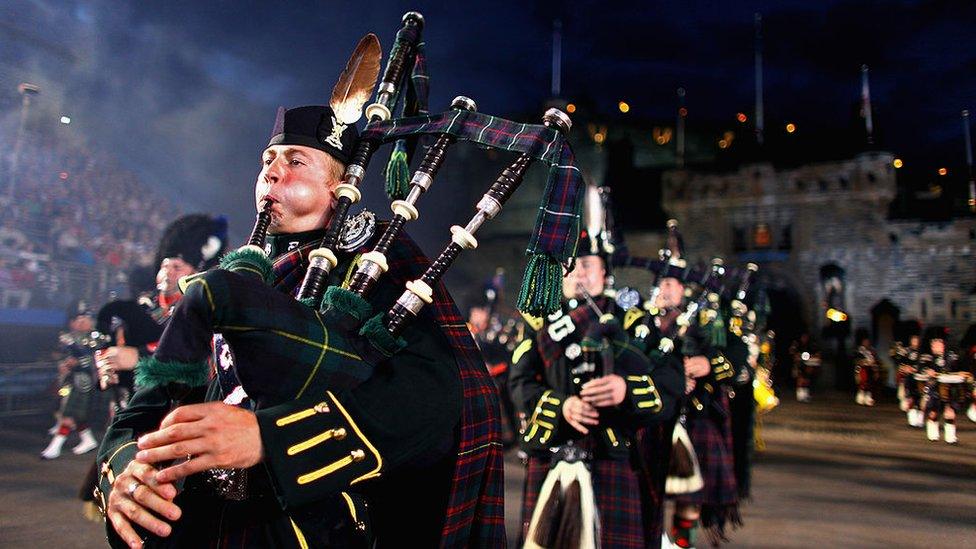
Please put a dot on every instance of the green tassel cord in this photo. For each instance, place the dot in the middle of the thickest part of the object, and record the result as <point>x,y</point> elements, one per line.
<point>717,332</point>
<point>542,285</point>
<point>341,299</point>
<point>379,337</point>
<point>151,372</point>
<point>398,172</point>
<point>248,262</point>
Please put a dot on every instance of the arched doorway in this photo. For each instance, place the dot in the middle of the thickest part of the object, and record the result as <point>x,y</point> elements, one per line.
<point>786,317</point>
<point>884,318</point>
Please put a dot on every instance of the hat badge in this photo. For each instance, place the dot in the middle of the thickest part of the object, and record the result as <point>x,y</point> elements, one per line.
<point>335,138</point>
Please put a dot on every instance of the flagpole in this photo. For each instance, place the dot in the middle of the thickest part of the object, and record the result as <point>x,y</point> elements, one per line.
<point>557,56</point>
<point>866,104</point>
<point>682,113</point>
<point>759,80</point>
<point>969,160</point>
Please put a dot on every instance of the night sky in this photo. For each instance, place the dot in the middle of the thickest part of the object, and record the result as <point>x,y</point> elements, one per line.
<point>186,94</point>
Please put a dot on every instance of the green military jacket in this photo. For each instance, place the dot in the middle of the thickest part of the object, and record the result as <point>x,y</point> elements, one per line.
<point>325,448</point>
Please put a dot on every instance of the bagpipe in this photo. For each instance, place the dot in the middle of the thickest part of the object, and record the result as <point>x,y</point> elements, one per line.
<point>123,323</point>
<point>80,348</point>
<point>330,337</point>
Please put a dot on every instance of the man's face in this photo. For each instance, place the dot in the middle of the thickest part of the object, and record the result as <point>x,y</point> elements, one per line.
<point>171,270</point>
<point>913,342</point>
<point>938,347</point>
<point>589,273</point>
<point>671,294</point>
<point>299,181</point>
<point>478,318</point>
<point>81,324</point>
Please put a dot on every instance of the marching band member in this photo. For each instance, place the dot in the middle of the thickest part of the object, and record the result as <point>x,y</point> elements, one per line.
<point>586,391</point>
<point>77,384</point>
<point>867,369</point>
<point>945,393</point>
<point>296,474</point>
<point>906,360</point>
<point>806,366</point>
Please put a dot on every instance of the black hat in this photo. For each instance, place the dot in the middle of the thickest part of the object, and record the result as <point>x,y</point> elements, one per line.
<point>315,126</point>
<point>905,329</point>
<point>197,239</point>
<point>78,307</point>
<point>936,332</point>
<point>142,279</point>
<point>332,128</point>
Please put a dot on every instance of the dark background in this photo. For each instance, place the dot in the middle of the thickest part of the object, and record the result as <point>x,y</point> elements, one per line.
<point>185,92</point>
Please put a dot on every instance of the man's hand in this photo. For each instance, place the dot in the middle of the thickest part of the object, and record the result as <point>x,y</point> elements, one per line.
<point>697,366</point>
<point>689,385</point>
<point>211,435</point>
<point>604,391</point>
<point>117,358</point>
<point>137,497</point>
<point>578,413</point>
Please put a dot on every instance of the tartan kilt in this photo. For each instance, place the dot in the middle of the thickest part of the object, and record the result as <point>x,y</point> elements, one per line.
<point>712,438</point>
<point>654,445</point>
<point>618,500</point>
<point>78,400</point>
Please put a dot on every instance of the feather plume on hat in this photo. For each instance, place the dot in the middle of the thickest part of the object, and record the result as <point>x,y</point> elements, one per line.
<point>356,83</point>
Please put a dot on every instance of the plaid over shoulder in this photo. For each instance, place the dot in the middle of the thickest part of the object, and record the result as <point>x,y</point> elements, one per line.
<point>475,511</point>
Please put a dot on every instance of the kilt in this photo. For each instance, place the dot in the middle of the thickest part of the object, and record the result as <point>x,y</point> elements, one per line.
<point>76,403</point>
<point>935,403</point>
<point>712,438</point>
<point>865,377</point>
<point>654,445</point>
<point>618,500</point>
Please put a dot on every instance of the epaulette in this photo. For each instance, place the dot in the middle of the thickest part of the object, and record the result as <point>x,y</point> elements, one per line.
<point>632,315</point>
<point>534,322</point>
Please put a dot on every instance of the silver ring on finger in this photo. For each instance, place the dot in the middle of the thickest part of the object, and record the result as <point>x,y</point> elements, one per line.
<point>131,489</point>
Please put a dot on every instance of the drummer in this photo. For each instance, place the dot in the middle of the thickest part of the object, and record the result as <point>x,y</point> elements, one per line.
<point>946,390</point>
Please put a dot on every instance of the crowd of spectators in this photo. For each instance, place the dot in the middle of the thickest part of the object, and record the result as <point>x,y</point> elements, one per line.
<point>75,222</point>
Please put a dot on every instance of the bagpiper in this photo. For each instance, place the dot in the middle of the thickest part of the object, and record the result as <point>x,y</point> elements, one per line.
<point>77,383</point>
<point>190,244</point>
<point>693,456</point>
<point>362,409</point>
<point>911,384</point>
<point>275,477</point>
<point>867,369</point>
<point>806,366</point>
<point>586,391</point>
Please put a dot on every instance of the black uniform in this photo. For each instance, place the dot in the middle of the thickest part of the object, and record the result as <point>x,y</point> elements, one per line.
<point>550,365</point>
